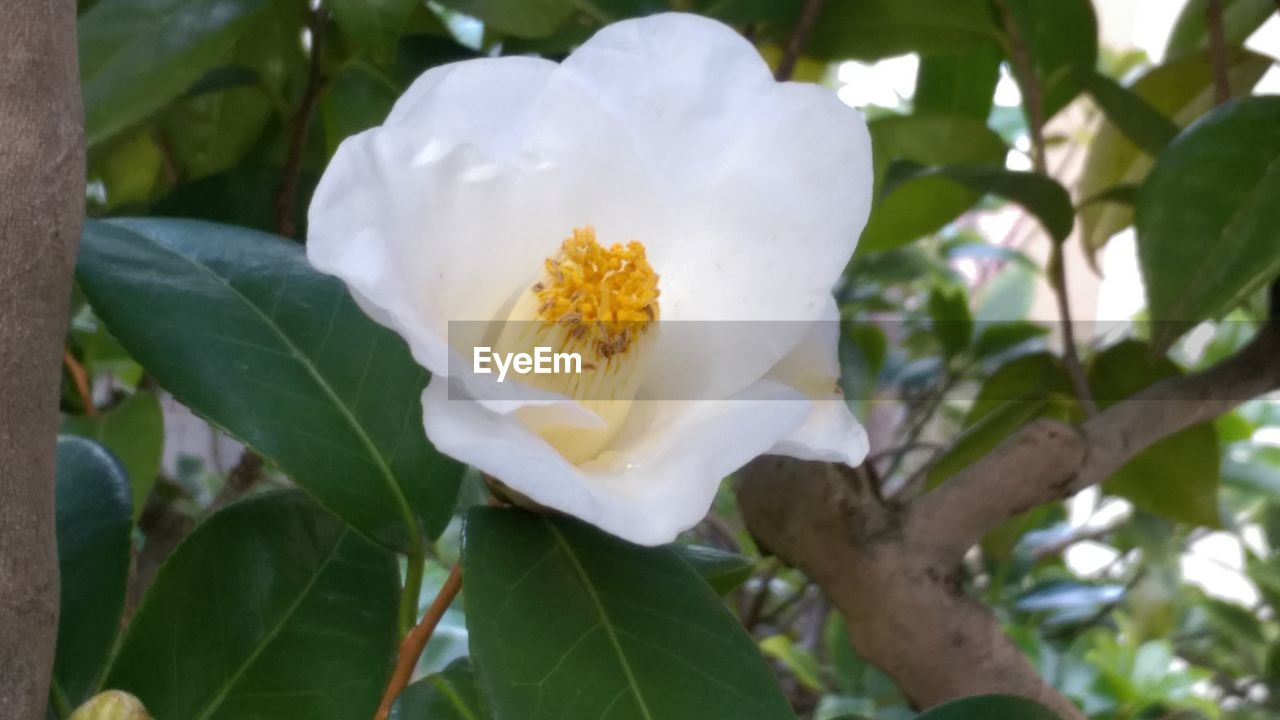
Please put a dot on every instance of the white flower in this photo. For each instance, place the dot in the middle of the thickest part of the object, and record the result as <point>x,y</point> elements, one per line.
<point>744,198</point>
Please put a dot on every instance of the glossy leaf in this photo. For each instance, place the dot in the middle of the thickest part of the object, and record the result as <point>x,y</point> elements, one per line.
<point>94,522</point>
<point>917,207</point>
<point>134,432</point>
<point>987,707</point>
<point>239,327</point>
<point>1040,195</point>
<point>1203,246</point>
<point>723,571</point>
<point>566,621</point>
<point>1181,90</point>
<point>961,84</point>
<point>446,695</point>
<point>521,18</point>
<point>874,29</point>
<point>137,55</point>
<point>1239,19</point>
<point>272,608</point>
<point>1176,478</point>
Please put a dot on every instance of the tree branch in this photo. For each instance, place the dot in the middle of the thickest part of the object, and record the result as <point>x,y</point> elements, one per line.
<point>799,38</point>
<point>41,201</point>
<point>286,197</point>
<point>1048,460</point>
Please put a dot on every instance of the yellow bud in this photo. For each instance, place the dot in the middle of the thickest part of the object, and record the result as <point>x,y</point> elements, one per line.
<point>112,705</point>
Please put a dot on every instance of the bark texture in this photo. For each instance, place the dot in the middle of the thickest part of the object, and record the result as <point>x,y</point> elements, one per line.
<point>41,201</point>
<point>894,568</point>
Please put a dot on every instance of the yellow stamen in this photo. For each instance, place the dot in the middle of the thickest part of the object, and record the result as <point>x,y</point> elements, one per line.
<point>601,303</point>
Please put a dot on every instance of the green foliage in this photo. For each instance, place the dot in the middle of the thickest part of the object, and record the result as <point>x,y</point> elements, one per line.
<point>93,519</point>
<point>272,608</point>
<point>568,620</point>
<point>447,695</point>
<point>1181,221</point>
<point>134,432</point>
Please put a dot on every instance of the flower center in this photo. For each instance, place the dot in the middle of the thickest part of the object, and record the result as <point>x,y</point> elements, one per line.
<point>600,303</point>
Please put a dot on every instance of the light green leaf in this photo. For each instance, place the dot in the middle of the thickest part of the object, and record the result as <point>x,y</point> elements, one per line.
<point>239,327</point>
<point>921,206</point>
<point>94,523</point>
<point>1239,19</point>
<point>1176,478</point>
<point>1181,90</point>
<point>1206,217</point>
<point>962,84</point>
<point>134,431</point>
<point>271,609</point>
<point>988,707</point>
<point>1145,126</point>
<point>569,622</point>
<point>138,55</point>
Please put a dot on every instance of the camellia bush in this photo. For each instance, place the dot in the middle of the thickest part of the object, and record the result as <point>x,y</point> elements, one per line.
<point>818,457</point>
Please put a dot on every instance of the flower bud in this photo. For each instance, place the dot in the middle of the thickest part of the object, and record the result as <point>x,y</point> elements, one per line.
<point>112,705</point>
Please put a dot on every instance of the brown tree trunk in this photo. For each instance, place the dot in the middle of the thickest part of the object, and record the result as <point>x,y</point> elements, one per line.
<point>41,202</point>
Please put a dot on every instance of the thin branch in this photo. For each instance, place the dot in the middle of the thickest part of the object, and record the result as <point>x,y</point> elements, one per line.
<point>416,641</point>
<point>286,197</point>
<point>80,379</point>
<point>1048,460</point>
<point>1218,51</point>
<point>794,48</point>
<point>1033,101</point>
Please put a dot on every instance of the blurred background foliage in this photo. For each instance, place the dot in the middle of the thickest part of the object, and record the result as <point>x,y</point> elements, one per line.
<point>1155,597</point>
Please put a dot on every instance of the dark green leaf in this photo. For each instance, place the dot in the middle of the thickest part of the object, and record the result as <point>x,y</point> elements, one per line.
<point>961,84</point>
<point>989,707</point>
<point>921,206</point>
<point>94,520</point>
<point>874,29</point>
<point>1239,19</point>
<point>1205,245</point>
<point>271,609</point>
<point>1181,90</point>
<point>134,431</point>
<point>1000,337</point>
<point>372,24</point>
<point>952,322</point>
<point>1061,37</point>
<point>137,55</point>
<point>1040,195</point>
<point>282,358</point>
<point>1176,478</point>
<point>569,622</point>
<point>723,571</point>
<point>521,18</point>
<point>359,98</point>
<point>244,196</point>
<point>1145,126</point>
<point>446,695</point>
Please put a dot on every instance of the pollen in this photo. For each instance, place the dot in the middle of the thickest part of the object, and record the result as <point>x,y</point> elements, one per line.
<point>605,298</point>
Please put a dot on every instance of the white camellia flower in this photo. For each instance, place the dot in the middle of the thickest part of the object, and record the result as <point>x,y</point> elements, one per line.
<point>658,175</point>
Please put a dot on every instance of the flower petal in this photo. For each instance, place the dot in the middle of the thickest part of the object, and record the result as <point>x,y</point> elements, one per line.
<point>660,482</point>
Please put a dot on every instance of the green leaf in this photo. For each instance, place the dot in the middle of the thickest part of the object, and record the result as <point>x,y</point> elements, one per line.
<point>874,29</point>
<point>962,84</point>
<point>921,206</point>
<point>138,55</point>
<point>521,18</point>
<point>1181,90</point>
<point>566,621</point>
<point>952,322</point>
<point>1040,195</point>
<point>94,523</point>
<point>1061,37</point>
<point>243,196</point>
<point>723,571</point>
<point>1204,246</point>
<point>239,327</point>
<point>1239,19</point>
<point>987,707</point>
<point>1001,337</point>
<point>446,695</point>
<point>1145,126</point>
<point>358,98</point>
<point>271,609</point>
<point>800,662</point>
<point>983,437</point>
<point>372,24</point>
<point>134,431</point>
<point>1176,478</point>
